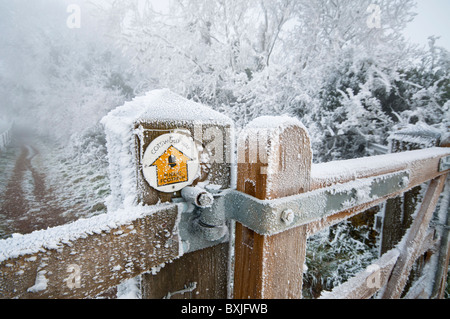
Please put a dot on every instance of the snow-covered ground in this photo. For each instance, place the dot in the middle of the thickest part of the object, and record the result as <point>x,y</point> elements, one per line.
<point>76,183</point>
<point>79,178</point>
<point>51,182</point>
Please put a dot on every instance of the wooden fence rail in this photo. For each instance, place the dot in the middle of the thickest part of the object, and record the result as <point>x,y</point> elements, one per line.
<point>5,138</point>
<point>84,259</point>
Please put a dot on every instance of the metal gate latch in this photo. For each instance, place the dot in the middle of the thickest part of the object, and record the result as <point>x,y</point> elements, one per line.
<point>203,223</point>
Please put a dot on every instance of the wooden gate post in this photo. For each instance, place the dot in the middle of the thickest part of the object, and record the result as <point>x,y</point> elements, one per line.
<point>274,161</point>
<point>440,278</point>
<point>201,274</point>
<point>415,237</point>
<point>399,211</point>
<point>177,144</point>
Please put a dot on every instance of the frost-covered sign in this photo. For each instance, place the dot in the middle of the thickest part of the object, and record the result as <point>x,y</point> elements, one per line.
<point>151,149</point>
<point>171,162</point>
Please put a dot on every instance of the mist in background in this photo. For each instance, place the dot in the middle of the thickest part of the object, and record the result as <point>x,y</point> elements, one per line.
<point>57,77</point>
<point>344,69</point>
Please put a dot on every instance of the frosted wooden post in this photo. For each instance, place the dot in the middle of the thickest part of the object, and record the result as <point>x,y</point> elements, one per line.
<point>440,278</point>
<point>201,274</point>
<point>398,211</point>
<point>398,217</point>
<point>159,144</point>
<point>415,237</point>
<point>274,161</point>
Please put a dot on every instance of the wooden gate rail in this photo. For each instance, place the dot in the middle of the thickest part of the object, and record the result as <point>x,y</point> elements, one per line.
<point>414,240</point>
<point>84,259</point>
<point>422,165</point>
<point>392,269</point>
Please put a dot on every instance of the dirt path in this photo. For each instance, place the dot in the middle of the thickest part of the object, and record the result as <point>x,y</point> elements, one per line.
<point>26,204</point>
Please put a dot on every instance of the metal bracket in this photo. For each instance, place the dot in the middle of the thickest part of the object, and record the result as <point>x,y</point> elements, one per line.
<point>270,217</point>
<point>203,222</point>
<point>444,164</point>
<point>204,227</point>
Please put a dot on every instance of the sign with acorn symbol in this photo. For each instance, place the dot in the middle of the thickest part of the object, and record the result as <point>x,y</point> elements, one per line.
<point>171,162</point>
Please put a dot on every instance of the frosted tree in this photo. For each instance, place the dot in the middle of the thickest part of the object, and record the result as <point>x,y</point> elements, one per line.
<point>259,57</point>
<point>425,86</point>
<point>63,79</point>
<point>210,51</point>
<point>337,65</point>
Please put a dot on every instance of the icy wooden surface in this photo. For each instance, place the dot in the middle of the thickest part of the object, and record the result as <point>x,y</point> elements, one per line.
<point>419,162</point>
<point>413,240</point>
<point>281,169</point>
<point>104,251</point>
<point>367,283</point>
<point>160,106</point>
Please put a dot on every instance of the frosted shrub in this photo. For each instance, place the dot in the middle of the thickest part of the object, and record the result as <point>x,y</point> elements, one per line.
<point>336,254</point>
<point>79,172</point>
<point>90,146</point>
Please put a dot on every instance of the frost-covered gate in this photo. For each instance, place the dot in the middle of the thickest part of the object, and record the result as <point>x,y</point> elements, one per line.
<point>196,222</point>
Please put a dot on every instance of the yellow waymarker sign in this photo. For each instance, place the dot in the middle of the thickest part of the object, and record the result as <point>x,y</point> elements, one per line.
<point>171,162</point>
<point>171,167</point>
